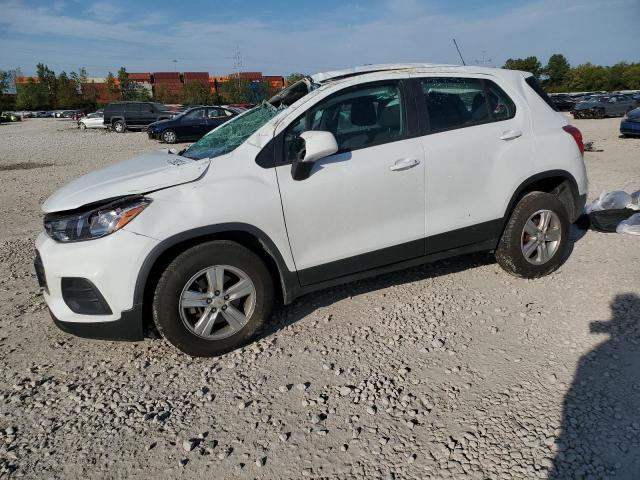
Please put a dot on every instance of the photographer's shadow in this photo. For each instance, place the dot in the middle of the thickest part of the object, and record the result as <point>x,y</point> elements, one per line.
<point>600,436</point>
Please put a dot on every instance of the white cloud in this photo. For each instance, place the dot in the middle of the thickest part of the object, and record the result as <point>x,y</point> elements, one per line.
<point>396,31</point>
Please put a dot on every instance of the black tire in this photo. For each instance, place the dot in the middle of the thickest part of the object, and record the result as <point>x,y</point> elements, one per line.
<point>119,126</point>
<point>599,113</point>
<point>510,255</point>
<point>82,126</point>
<point>166,311</point>
<point>169,136</point>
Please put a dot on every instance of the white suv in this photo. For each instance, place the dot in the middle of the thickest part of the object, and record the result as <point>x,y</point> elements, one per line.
<point>341,176</point>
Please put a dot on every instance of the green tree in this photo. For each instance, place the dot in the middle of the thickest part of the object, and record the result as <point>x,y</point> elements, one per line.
<point>235,90</point>
<point>196,93</point>
<point>31,96</point>
<point>67,96</point>
<point>615,76</point>
<point>631,77</point>
<point>557,70</point>
<point>127,88</point>
<point>162,94</point>
<point>529,64</point>
<point>587,77</point>
<point>294,77</point>
<point>47,80</point>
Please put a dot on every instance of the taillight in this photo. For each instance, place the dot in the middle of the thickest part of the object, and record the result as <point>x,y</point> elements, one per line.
<point>577,136</point>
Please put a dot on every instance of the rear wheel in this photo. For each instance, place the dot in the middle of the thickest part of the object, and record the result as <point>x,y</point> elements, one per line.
<point>212,298</point>
<point>535,238</point>
<point>119,126</point>
<point>169,136</point>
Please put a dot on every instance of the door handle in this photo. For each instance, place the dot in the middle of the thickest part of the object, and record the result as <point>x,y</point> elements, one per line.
<point>510,134</point>
<point>404,164</point>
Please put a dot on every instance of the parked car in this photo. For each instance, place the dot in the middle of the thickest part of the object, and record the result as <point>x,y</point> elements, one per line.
<point>341,176</point>
<point>630,124</point>
<point>191,124</point>
<point>11,117</point>
<point>93,120</point>
<point>121,116</point>
<point>563,102</point>
<point>601,106</point>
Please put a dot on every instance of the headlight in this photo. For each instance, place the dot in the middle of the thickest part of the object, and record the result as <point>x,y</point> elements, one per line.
<point>95,223</point>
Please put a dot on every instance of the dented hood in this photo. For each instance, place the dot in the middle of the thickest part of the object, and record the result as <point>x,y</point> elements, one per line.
<point>143,174</point>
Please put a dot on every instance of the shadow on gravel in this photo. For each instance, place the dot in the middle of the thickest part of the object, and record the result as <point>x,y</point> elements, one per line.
<point>24,166</point>
<point>284,316</point>
<point>600,436</point>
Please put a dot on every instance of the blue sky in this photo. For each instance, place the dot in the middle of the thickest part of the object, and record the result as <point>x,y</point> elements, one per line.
<point>279,36</point>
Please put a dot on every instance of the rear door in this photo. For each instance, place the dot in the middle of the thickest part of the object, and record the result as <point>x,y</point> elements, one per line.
<point>477,145</point>
<point>148,114</point>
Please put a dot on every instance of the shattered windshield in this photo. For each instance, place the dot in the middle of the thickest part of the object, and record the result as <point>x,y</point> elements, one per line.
<point>232,134</point>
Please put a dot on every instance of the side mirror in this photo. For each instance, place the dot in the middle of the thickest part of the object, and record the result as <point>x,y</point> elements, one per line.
<point>317,145</point>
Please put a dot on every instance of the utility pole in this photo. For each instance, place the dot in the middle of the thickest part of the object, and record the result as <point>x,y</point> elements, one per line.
<point>237,66</point>
<point>456,44</point>
<point>175,65</point>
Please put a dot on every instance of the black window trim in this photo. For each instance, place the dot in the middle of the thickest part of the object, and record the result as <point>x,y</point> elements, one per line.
<point>424,109</point>
<point>272,154</point>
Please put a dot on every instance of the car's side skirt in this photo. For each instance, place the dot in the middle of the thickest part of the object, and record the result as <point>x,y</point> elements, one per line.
<point>483,236</point>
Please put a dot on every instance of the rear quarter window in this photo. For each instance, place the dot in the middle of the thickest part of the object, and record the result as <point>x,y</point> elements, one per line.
<point>535,86</point>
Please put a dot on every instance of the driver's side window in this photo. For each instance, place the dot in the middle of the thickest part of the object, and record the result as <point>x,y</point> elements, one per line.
<point>359,117</point>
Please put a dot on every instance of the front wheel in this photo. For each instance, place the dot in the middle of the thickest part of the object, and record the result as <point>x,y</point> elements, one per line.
<point>212,298</point>
<point>169,136</point>
<point>535,239</point>
<point>82,126</point>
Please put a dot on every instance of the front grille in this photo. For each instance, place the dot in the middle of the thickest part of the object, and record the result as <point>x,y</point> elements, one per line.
<point>39,268</point>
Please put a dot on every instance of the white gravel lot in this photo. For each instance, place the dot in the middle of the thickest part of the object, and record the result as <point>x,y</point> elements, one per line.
<point>451,370</point>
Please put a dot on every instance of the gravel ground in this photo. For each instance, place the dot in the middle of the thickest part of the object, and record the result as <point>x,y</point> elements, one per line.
<point>451,370</point>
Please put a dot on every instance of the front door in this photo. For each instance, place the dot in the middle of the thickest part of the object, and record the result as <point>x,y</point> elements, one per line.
<point>363,207</point>
<point>193,124</point>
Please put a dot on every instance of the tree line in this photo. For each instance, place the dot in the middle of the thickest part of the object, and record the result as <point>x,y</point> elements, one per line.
<point>73,90</point>
<point>559,76</point>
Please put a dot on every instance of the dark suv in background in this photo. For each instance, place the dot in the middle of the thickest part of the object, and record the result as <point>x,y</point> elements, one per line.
<point>191,124</point>
<point>121,116</point>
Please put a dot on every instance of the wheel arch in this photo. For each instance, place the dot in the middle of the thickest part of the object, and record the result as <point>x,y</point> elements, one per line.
<point>558,182</point>
<point>285,282</point>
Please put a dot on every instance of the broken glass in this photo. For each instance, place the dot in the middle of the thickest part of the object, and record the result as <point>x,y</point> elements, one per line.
<point>232,134</point>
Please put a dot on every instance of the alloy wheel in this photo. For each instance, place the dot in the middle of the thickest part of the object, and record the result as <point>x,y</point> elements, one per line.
<point>541,237</point>
<point>217,302</point>
<point>169,136</point>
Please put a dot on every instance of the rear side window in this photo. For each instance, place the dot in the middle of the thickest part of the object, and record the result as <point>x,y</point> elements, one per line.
<point>455,102</point>
<point>132,107</point>
<point>463,102</point>
<point>533,83</point>
<point>359,118</point>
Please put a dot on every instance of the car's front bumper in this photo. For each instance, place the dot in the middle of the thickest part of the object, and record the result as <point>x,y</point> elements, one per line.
<point>630,128</point>
<point>110,266</point>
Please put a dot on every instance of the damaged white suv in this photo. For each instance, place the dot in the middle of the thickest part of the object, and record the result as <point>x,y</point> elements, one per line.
<point>344,175</point>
